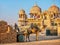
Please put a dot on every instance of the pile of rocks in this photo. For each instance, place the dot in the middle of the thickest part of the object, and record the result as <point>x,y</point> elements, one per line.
<point>5,37</point>
<point>3,26</point>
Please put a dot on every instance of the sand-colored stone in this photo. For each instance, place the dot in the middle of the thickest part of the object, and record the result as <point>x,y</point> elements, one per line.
<point>42,18</point>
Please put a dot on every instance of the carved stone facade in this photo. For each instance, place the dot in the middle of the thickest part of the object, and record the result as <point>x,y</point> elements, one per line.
<point>48,18</point>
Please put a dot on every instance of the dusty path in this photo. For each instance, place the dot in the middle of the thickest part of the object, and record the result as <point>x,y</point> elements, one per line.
<point>45,42</point>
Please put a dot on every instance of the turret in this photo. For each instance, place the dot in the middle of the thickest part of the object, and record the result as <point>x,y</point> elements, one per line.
<point>35,11</point>
<point>22,18</point>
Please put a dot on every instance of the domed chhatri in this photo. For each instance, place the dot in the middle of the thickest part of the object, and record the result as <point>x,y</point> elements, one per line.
<point>22,11</point>
<point>35,9</point>
<point>54,9</point>
<point>22,14</point>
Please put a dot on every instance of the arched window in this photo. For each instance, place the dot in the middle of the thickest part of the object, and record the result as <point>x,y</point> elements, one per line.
<point>55,15</point>
<point>59,24</point>
<point>45,16</point>
<point>38,16</point>
<point>20,16</point>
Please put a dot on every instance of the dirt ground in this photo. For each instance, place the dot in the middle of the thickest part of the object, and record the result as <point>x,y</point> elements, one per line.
<point>44,42</point>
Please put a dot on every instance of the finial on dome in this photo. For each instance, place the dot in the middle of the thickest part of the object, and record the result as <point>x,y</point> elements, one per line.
<point>53,5</point>
<point>22,11</point>
<point>35,4</point>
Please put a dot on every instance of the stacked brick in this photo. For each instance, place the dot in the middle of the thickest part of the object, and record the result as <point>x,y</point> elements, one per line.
<point>5,37</point>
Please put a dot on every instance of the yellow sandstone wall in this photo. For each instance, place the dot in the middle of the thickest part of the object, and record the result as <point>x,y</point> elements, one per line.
<point>58,31</point>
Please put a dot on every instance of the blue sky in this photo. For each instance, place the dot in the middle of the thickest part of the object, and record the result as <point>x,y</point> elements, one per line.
<point>9,8</point>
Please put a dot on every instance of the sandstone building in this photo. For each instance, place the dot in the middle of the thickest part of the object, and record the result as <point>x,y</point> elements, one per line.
<point>49,18</point>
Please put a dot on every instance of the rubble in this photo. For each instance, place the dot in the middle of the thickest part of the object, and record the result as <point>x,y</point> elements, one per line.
<point>5,37</point>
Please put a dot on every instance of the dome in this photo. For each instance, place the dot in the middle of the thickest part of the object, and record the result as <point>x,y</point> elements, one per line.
<point>35,9</point>
<point>21,11</point>
<point>54,8</point>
